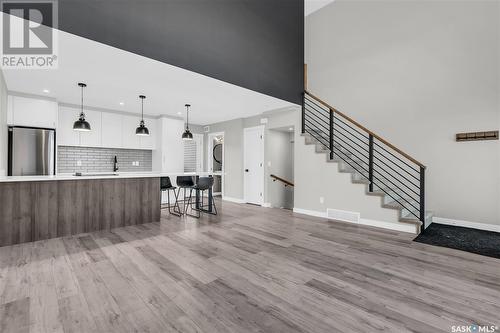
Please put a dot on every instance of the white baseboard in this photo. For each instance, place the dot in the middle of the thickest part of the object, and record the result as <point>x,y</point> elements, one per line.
<point>403,227</point>
<point>236,200</point>
<point>467,224</point>
<point>309,212</point>
<point>266,205</point>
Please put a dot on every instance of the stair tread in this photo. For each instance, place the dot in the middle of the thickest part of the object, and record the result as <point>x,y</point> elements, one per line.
<point>406,211</point>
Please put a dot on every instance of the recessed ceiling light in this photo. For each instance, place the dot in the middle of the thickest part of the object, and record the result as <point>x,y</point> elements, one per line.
<point>290,129</point>
<point>179,113</point>
<point>121,103</point>
<point>46,91</point>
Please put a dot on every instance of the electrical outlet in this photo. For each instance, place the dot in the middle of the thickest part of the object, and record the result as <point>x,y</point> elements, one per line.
<point>321,200</point>
<point>78,163</point>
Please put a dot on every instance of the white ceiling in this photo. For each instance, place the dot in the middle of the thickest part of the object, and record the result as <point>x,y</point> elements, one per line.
<point>114,76</point>
<point>313,5</point>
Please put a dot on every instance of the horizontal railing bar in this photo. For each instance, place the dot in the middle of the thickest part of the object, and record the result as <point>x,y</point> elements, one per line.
<point>382,168</point>
<point>378,154</point>
<point>319,105</point>
<point>399,159</point>
<point>337,125</point>
<point>365,135</point>
<point>325,120</point>
<point>311,120</point>
<point>387,143</point>
<point>406,199</point>
<point>362,162</point>
<point>347,133</point>
<point>347,157</point>
<point>361,153</point>
<point>399,202</point>
<point>396,186</point>
<point>320,138</point>
<point>321,112</point>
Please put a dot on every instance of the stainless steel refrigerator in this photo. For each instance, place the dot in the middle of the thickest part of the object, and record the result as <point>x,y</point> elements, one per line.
<point>32,151</point>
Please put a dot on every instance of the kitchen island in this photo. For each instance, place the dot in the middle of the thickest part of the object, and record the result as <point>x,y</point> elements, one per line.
<point>41,207</point>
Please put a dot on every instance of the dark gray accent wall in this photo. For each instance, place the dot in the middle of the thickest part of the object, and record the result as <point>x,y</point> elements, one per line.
<point>256,44</point>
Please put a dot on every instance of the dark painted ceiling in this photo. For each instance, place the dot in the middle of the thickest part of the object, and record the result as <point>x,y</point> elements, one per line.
<point>256,44</point>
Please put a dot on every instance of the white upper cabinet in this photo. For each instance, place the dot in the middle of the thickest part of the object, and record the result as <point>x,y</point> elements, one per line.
<point>149,142</point>
<point>130,140</point>
<point>32,112</point>
<point>65,134</point>
<point>112,130</point>
<point>108,130</point>
<point>92,138</point>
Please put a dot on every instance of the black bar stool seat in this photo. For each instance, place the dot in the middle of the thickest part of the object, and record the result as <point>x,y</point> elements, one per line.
<point>185,183</point>
<point>204,184</point>
<point>166,185</point>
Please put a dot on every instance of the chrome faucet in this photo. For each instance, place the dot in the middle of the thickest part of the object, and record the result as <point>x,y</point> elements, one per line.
<point>115,165</point>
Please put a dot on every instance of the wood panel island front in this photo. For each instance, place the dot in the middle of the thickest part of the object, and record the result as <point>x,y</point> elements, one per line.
<point>44,208</point>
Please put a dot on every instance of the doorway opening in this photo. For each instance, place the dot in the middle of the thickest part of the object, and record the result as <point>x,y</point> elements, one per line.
<point>280,167</point>
<point>215,158</point>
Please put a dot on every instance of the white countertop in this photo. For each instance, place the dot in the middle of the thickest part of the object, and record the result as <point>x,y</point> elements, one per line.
<point>100,175</point>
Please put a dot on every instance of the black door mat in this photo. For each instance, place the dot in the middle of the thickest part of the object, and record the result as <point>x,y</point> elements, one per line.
<point>486,243</point>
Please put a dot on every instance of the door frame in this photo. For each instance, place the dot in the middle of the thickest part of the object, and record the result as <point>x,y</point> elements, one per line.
<point>245,130</point>
<point>200,163</point>
<point>210,157</point>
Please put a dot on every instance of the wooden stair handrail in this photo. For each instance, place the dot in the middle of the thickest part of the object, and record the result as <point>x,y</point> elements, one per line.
<point>332,109</point>
<point>286,182</point>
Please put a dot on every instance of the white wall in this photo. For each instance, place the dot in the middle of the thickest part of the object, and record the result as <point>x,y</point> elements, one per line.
<point>233,156</point>
<point>233,147</point>
<point>417,73</point>
<point>3,126</point>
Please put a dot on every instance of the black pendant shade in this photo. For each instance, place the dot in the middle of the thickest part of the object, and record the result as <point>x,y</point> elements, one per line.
<point>81,124</point>
<point>142,130</point>
<point>187,135</point>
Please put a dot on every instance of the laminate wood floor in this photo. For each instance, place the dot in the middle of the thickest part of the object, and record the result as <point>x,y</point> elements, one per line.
<point>249,269</point>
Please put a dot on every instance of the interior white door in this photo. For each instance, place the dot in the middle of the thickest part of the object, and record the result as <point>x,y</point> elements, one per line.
<point>253,143</point>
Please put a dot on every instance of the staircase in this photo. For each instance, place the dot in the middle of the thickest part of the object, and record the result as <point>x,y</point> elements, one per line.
<point>384,169</point>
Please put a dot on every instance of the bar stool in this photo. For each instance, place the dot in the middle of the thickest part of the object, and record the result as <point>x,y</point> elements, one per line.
<point>184,183</point>
<point>166,185</point>
<point>204,184</point>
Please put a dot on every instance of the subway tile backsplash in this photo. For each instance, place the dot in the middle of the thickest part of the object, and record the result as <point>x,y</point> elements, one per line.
<point>101,159</point>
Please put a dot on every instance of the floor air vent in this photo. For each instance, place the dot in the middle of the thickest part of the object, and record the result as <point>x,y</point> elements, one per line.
<point>342,215</point>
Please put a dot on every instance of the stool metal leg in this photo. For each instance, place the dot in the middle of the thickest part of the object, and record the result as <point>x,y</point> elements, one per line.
<point>176,205</point>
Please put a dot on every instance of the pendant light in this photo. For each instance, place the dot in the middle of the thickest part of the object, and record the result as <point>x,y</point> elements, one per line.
<point>187,135</point>
<point>81,124</point>
<point>142,130</point>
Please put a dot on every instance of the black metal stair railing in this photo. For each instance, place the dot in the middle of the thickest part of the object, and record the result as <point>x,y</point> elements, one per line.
<point>388,169</point>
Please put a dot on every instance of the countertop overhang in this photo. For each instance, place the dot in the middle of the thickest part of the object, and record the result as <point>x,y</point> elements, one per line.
<point>107,175</point>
